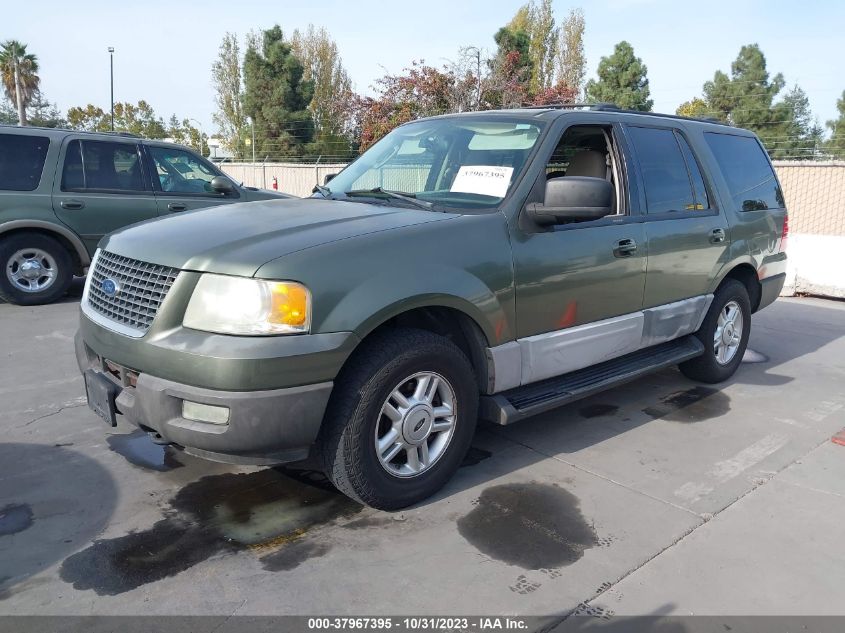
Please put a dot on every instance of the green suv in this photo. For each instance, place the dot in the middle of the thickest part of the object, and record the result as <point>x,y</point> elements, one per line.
<point>487,265</point>
<point>62,191</point>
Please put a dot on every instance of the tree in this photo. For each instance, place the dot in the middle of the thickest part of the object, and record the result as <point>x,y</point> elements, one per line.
<point>184,133</point>
<point>621,80</point>
<point>419,91</point>
<point>228,88</point>
<point>8,112</point>
<point>695,107</point>
<point>571,62</point>
<point>803,134</point>
<point>19,71</point>
<point>746,99</point>
<point>558,94</point>
<point>276,97</point>
<point>139,119</point>
<point>508,84</point>
<point>323,67</point>
<point>43,113</point>
<point>536,20</point>
<point>836,143</point>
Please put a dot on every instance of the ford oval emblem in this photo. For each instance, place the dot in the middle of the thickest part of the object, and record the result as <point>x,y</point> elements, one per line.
<point>109,287</point>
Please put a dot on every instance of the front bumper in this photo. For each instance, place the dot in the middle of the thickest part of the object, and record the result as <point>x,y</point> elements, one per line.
<point>268,426</point>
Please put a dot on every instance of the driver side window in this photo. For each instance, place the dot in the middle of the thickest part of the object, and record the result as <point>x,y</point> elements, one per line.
<point>587,150</point>
<point>179,171</point>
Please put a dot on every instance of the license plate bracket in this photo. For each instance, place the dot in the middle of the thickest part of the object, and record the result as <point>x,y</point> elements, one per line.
<point>101,394</point>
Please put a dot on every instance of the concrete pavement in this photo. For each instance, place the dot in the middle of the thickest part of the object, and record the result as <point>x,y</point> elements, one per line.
<point>661,497</point>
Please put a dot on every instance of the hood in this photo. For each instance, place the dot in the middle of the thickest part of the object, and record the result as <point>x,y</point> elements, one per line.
<point>237,239</point>
<point>255,193</point>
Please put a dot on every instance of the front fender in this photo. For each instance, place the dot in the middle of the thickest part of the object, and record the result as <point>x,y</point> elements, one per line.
<point>464,263</point>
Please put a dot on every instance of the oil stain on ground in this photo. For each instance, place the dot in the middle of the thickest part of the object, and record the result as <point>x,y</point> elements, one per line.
<point>140,450</point>
<point>214,515</point>
<point>530,525</point>
<point>597,410</point>
<point>14,518</point>
<point>692,405</point>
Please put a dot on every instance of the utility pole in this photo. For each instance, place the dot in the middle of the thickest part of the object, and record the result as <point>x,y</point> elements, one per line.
<point>111,75</point>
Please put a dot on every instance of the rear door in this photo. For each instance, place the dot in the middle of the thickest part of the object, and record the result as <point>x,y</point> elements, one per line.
<point>182,180</point>
<point>103,186</point>
<point>687,233</point>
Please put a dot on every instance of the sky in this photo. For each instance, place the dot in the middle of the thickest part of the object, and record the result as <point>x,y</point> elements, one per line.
<point>164,49</point>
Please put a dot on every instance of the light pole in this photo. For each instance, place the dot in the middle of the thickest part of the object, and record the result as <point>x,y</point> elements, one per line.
<point>111,76</point>
<point>199,125</point>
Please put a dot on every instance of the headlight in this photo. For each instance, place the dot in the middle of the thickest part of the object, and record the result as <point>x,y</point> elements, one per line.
<point>239,305</point>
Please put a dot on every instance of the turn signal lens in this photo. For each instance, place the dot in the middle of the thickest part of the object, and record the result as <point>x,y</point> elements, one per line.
<point>289,305</point>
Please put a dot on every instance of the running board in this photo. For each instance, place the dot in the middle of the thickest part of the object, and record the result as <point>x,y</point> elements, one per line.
<point>515,404</point>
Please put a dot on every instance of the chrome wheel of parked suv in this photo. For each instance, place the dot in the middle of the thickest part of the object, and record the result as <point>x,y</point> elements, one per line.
<point>724,334</point>
<point>401,418</point>
<point>37,269</point>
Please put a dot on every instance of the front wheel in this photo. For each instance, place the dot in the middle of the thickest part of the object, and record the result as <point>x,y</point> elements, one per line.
<point>401,419</point>
<point>724,334</point>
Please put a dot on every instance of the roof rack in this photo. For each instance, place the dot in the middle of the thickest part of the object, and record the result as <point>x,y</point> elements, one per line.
<point>612,107</point>
<point>64,129</point>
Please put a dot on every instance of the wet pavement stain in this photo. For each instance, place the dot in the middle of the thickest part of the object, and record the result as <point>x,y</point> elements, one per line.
<point>597,410</point>
<point>693,405</point>
<point>530,525</point>
<point>14,518</point>
<point>474,456</point>
<point>140,450</point>
<point>293,555</point>
<point>217,514</point>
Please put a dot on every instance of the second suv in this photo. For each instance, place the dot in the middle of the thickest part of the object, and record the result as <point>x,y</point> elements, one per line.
<point>62,191</point>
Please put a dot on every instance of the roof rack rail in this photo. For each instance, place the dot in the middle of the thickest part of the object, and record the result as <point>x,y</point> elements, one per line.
<point>612,107</point>
<point>65,129</point>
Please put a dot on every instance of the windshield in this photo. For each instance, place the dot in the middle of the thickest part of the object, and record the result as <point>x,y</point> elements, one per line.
<point>455,162</point>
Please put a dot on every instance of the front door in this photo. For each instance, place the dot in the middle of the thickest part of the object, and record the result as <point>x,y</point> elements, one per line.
<point>579,286</point>
<point>182,180</point>
<point>103,187</point>
<point>688,236</point>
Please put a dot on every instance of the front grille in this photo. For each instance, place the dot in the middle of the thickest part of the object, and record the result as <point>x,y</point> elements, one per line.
<point>141,289</point>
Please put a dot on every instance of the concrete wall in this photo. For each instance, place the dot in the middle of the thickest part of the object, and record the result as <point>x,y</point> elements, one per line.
<point>815,197</point>
<point>814,191</point>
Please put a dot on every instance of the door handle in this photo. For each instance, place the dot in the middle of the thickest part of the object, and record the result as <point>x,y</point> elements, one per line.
<point>72,204</point>
<point>717,235</point>
<point>624,248</point>
<point>177,206</point>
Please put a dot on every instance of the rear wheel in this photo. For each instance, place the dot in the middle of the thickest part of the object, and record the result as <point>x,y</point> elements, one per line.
<point>724,334</point>
<point>401,419</point>
<point>36,269</point>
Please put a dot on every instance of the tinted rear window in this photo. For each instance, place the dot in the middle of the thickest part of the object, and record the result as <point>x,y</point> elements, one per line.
<point>747,171</point>
<point>22,161</point>
<point>664,171</point>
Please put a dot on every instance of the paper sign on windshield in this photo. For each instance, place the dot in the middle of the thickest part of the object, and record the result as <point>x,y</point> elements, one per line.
<point>483,179</point>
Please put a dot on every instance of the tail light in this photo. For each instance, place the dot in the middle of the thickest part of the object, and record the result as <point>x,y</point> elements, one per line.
<point>784,234</point>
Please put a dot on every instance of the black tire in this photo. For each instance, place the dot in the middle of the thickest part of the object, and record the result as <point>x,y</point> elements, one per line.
<point>706,368</point>
<point>347,438</point>
<point>53,248</point>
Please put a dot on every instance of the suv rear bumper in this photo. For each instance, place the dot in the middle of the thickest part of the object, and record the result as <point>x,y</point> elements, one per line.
<point>770,288</point>
<point>264,427</point>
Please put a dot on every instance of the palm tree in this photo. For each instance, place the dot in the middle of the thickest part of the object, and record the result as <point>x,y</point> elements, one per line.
<point>19,71</point>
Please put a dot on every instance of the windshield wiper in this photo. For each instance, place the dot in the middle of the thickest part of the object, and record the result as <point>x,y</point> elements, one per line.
<point>407,197</point>
<point>324,191</point>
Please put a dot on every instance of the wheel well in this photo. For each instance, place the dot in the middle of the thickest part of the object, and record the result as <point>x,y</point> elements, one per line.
<point>453,324</point>
<point>61,239</point>
<point>747,276</point>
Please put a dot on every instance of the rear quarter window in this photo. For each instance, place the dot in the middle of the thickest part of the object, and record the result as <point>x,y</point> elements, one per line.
<point>747,171</point>
<point>22,161</point>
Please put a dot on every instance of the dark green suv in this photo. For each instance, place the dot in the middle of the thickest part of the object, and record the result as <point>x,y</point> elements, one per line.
<point>492,265</point>
<point>62,191</point>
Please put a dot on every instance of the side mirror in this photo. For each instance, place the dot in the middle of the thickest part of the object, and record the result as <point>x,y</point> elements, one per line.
<point>327,178</point>
<point>222,185</point>
<point>573,198</point>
